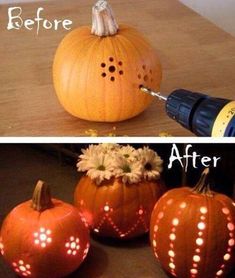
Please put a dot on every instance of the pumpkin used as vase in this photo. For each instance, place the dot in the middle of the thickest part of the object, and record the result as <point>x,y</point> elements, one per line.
<point>98,70</point>
<point>193,232</point>
<point>119,189</point>
<point>116,209</point>
<point>44,237</point>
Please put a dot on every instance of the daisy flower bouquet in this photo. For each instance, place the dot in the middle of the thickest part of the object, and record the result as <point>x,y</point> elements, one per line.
<point>119,188</point>
<point>105,161</point>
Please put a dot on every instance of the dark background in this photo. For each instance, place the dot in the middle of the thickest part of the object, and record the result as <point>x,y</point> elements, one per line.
<point>21,165</point>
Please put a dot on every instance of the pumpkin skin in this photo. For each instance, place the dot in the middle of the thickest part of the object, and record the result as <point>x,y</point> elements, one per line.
<point>97,78</point>
<point>193,233</point>
<point>117,210</point>
<point>37,243</point>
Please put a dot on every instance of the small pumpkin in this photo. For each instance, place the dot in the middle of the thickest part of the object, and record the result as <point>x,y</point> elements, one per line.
<point>98,70</point>
<point>193,231</point>
<point>116,209</point>
<point>44,237</point>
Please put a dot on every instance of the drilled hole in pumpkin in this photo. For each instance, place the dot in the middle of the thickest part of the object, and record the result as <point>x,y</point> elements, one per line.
<point>120,63</point>
<point>150,71</point>
<point>103,65</point>
<point>121,72</point>
<point>144,67</point>
<point>146,78</point>
<point>140,86</point>
<point>103,74</point>
<point>111,59</point>
<point>112,78</point>
<point>139,76</point>
<point>112,69</point>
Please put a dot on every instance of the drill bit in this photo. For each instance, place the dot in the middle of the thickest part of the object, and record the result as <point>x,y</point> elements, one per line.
<point>152,93</point>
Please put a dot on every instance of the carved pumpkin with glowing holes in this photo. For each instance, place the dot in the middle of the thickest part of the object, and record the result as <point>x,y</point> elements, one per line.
<point>44,237</point>
<point>98,70</point>
<point>193,232</point>
<point>115,209</point>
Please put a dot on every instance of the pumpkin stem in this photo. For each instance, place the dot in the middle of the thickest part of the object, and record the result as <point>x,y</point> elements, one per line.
<point>203,186</point>
<point>41,197</point>
<point>103,21</point>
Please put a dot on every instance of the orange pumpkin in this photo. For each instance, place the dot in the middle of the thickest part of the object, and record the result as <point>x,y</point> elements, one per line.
<point>115,209</point>
<point>97,71</point>
<point>193,232</point>
<point>44,237</point>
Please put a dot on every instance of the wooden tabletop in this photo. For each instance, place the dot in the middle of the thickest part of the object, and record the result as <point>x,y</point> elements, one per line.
<point>195,55</point>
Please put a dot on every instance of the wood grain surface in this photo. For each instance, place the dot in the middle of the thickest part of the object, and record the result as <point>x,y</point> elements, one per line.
<point>195,55</point>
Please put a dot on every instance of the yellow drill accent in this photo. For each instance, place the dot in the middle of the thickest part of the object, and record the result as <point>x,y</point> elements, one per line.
<point>223,119</point>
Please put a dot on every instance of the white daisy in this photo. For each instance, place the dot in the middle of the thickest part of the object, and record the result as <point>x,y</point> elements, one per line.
<point>130,172</point>
<point>100,167</point>
<point>128,152</point>
<point>109,147</point>
<point>152,163</point>
<point>86,156</point>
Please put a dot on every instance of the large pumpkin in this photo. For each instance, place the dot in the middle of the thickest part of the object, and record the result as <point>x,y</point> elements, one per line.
<point>116,209</point>
<point>98,70</point>
<point>193,232</point>
<point>44,237</point>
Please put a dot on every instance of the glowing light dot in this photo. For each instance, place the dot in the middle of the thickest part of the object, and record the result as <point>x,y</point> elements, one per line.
<point>28,272</point>
<point>155,228</point>
<point>49,240</point>
<point>69,252</point>
<point>169,202</point>
<point>106,208</point>
<point>73,245</point>
<point>203,210</point>
<point>202,217</point>
<point>22,268</point>
<point>230,226</point>
<point>171,265</point>
<point>74,253</point>
<point>175,221</point>
<point>225,211</point>
<point>21,262</point>
<point>35,234</point>
<point>154,243</point>
<point>72,238</point>
<point>200,233</point>
<point>67,245</point>
<point>17,270</point>
<point>171,253</point>
<point>219,273</point>
<point>77,247</point>
<point>160,215</point>
<point>43,245</point>
<point>199,241</point>
<point>196,258</point>
<point>14,264</point>
<point>140,212</point>
<point>96,230</point>
<point>227,257</point>
<point>193,271</point>
<point>195,265</point>
<point>77,240</point>
<point>183,205</point>
<point>36,241</point>
<point>42,230</point>
<point>27,266</point>
<point>201,226</point>
<point>172,236</point>
<point>48,232</point>
<point>234,204</point>
<point>122,235</point>
<point>231,242</point>
<point>197,250</point>
<point>43,237</point>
